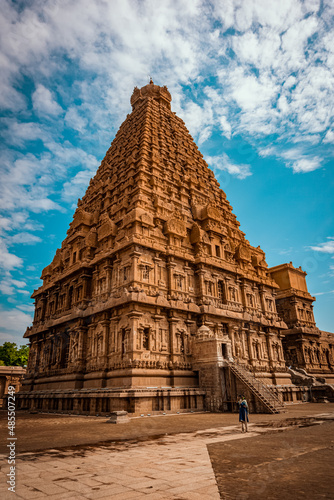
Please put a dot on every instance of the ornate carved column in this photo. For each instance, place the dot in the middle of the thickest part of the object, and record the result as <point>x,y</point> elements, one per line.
<point>108,268</point>
<point>157,318</point>
<point>201,282</point>
<point>81,356</point>
<point>43,307</point>
<point>133,316</point>
<point>135,271</point>
<point>170,266</point>
<point>243,293</point>
<point>172,337</point>
<point>86,278</point>
<point>269,349</point>
<point>105,325</point>
<point>250,347</point>
<point>113,335</point>
<point>262,299</point>
<point>226,297</point>
<point>156,261</point>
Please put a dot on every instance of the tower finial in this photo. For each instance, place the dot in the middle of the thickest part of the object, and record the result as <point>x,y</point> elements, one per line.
<point>151,80</point>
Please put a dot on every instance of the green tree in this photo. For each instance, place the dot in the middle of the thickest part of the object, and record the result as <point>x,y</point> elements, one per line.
<point>10,355</point>
<point>22,355</point>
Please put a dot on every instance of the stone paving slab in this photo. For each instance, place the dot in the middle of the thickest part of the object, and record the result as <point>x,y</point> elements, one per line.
<point>174,467</point>
<point>169,468</point>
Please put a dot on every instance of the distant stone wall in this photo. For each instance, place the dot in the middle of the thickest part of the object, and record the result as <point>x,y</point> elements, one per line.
<point>10,376</point>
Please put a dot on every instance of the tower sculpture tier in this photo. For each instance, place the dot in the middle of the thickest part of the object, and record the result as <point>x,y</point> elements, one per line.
<point>153,262</point>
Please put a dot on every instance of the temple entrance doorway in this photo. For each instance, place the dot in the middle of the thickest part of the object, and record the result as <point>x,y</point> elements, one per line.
<point>224,350</point>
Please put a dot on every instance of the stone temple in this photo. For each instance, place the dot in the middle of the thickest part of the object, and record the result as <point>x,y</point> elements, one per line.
<point>157,302</point>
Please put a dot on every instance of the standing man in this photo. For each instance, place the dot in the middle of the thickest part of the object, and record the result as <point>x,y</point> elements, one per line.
<point>243,414</point>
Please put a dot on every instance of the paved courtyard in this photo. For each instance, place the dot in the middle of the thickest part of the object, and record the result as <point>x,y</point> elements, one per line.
<point>173,465</point>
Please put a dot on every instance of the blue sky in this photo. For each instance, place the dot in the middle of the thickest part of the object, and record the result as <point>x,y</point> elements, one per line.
<point>253,80</point>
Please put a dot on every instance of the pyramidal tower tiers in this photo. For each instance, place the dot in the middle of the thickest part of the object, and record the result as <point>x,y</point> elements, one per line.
<point>155,300</point>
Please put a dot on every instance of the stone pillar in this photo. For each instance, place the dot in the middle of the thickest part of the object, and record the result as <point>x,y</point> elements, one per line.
<point>81,355</point>
<point>262,299</point>
<point>113,335</point>
<point>201,282</point>
<point>81,342</point>
<point>157,318</point>
<point>92,406</point>
<point>108,269</point>
<point>231,337</point>
<point>133,330</point>
<point>135,271</point>
<point>303,350</point>
<point>60,404</point>
<point>243,337</point>
<point>116,280</point>
<point>156,268</point>
<point>172,337</point>
<point>226,297</point>
<point>250,347</point>
<point>270,354</point>
<point>76,406</point>
<point>243,294</point>
<point>43,306</point>
<point>56,299</point>
<point>105,325</point>
<point>170,267</point>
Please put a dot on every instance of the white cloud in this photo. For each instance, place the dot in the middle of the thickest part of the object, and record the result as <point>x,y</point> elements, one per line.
<point>324,293</point>
<point>295,39</point>
<point>299,163</point>
<point>8,261</point>
<point>26,307</point>
<point>76,188</point>
<point>9,286</point>
<point>19,133</point>
<point>329,137</point>
<point>13,324</point>
<point>31,268</point>
<point>250,92</point>
<point>204,134</point>
<point>325,247</point>
<point>306,165</point>
<point>223,162</point>
<point>24,239</point>
<point>268,151</point>
<point>29,181</point>
<point>294,158</point>
<point>74,120</point>
<point>19,220</point>
<point>44,103</point>
<point>257,48</point>
<point>177,43</point>
<point>225,127</point>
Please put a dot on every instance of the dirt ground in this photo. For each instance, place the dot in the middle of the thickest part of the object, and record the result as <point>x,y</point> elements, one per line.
<point>291,465</point>
<point>36,432</point>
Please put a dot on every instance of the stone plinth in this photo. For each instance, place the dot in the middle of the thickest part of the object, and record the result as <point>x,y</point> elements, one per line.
<point>118,417</point>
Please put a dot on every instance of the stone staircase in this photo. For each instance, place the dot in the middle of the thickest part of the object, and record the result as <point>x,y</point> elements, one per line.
<point>260,390</point>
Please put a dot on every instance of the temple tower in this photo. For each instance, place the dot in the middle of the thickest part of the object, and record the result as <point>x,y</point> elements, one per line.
<point>154,254</point>
<point>305,346</point>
